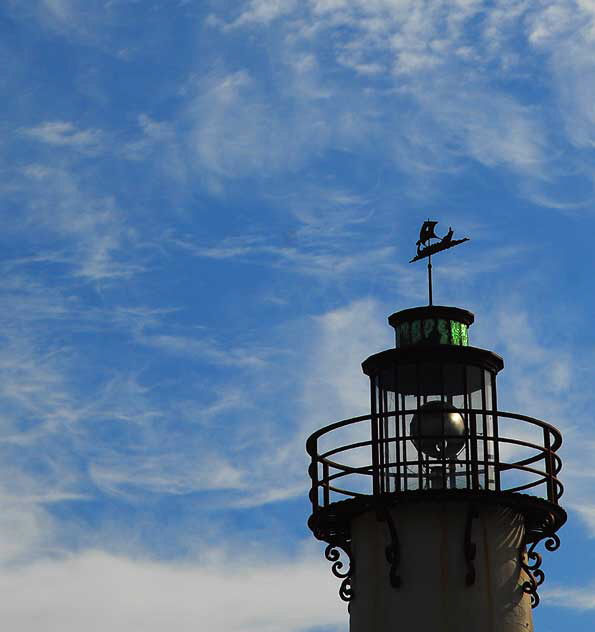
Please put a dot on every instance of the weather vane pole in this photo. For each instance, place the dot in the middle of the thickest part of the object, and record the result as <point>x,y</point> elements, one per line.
<point>425,247</point>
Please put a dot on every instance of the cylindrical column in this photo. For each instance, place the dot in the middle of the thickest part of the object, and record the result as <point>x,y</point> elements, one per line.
<point>435,545</point>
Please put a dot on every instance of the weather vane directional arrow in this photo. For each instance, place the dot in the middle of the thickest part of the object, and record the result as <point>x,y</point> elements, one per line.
<point>425,247</point>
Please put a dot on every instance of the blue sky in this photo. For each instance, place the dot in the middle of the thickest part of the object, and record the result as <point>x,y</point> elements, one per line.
<point>207,212</point>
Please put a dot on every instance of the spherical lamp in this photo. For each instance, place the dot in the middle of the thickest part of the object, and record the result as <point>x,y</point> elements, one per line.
<point>438,430</point>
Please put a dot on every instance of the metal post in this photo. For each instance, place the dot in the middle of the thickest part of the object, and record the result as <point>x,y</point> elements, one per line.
<point>474,463</point>
<point>374,438</point>
<point>430,278</point>
<point>496,432</point>
<point>397,434</point>
<point>452,474</point>
<point>549,467</point>
<point>312,449</point>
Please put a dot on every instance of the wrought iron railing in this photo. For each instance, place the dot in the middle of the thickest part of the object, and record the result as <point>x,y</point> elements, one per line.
<point>379,457</point>
<point>373,462</point>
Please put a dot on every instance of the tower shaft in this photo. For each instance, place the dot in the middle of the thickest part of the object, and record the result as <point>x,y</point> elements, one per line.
<point>457,566</point>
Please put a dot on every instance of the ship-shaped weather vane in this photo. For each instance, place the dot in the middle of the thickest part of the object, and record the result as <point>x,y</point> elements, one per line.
<point>425,247</point>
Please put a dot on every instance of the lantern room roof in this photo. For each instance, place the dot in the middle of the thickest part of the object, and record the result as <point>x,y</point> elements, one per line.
<point>387,361</point>
<point>432,324</point>
<point>431,311</point>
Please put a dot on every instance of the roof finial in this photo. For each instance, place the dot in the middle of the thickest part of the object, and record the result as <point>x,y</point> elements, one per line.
<point>426,249</point>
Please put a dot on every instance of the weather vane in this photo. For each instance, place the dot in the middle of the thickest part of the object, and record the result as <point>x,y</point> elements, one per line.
<point>426,249</point>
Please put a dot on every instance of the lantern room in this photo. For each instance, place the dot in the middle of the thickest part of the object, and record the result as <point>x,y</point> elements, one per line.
<point>435,399</point>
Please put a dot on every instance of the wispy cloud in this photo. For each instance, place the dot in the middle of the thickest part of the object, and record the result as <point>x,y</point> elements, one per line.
<point>91,231</point>
<point>207,350</point>
<point>66,134</point>
<point>24,528</point>
<point>305,259</point>
<point>238,131</point>
<point>48,410</point>
<point>334,385</point>
<point>565,33</point>
<point>581,598</point>
<point>406,56</point>
<point>167,472</point>
<point>60,16</point>
<point>263,11</point>
<point>118,592</point>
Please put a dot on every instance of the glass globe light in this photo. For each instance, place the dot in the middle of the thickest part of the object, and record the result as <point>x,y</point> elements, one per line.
<point>438,430</point>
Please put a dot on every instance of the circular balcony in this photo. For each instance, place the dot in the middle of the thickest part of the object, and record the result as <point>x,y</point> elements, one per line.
<point>374,461</point>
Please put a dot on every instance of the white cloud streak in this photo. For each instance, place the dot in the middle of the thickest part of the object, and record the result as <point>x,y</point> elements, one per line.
<point>91,229</point>
<point>66,134</point>
<point>406,58</point>
<point>238,131</point>
<point>581,598</point>
<point>308,259</point>
<point>97,591</point>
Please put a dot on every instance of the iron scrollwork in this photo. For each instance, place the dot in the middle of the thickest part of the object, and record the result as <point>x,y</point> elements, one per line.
<point>552,543</point>
<point>530,561</point>
<point>333,555</point>
<point>552,540</point>
<point>469,547</point>
<point>393,550</point>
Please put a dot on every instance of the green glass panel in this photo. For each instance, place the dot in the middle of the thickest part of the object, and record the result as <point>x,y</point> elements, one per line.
<point>455,332</point>
<point>443,331</point>
<point>415,331</point>
<point>465,335</point>
<point>404,334</point>
<point>429,325</point>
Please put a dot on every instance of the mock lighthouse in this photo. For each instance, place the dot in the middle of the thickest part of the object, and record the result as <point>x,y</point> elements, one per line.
<point>434,504</point>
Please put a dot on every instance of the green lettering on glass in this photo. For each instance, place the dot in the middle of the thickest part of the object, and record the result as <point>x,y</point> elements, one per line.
<point>415,331</point>
<point>455,332</point>
<point>404,338</point>
<point>428,327</point>
<point>465,335</point>
<point>443,331</point>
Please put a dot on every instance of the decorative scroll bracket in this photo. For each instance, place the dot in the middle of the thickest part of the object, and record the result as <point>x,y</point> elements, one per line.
<point>393,550</point>
<point>333,555</point>
<point>530,561</point>
<point>469,547</point>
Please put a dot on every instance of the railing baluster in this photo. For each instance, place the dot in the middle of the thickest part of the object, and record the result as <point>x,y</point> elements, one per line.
<point>496,432</point>
<point>374,437</point>
<point>325,484</point>
<point>551,488</point>
<point>473,442</point>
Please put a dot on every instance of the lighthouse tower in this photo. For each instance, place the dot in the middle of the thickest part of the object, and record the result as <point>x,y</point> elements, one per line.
<point>433,505</point>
